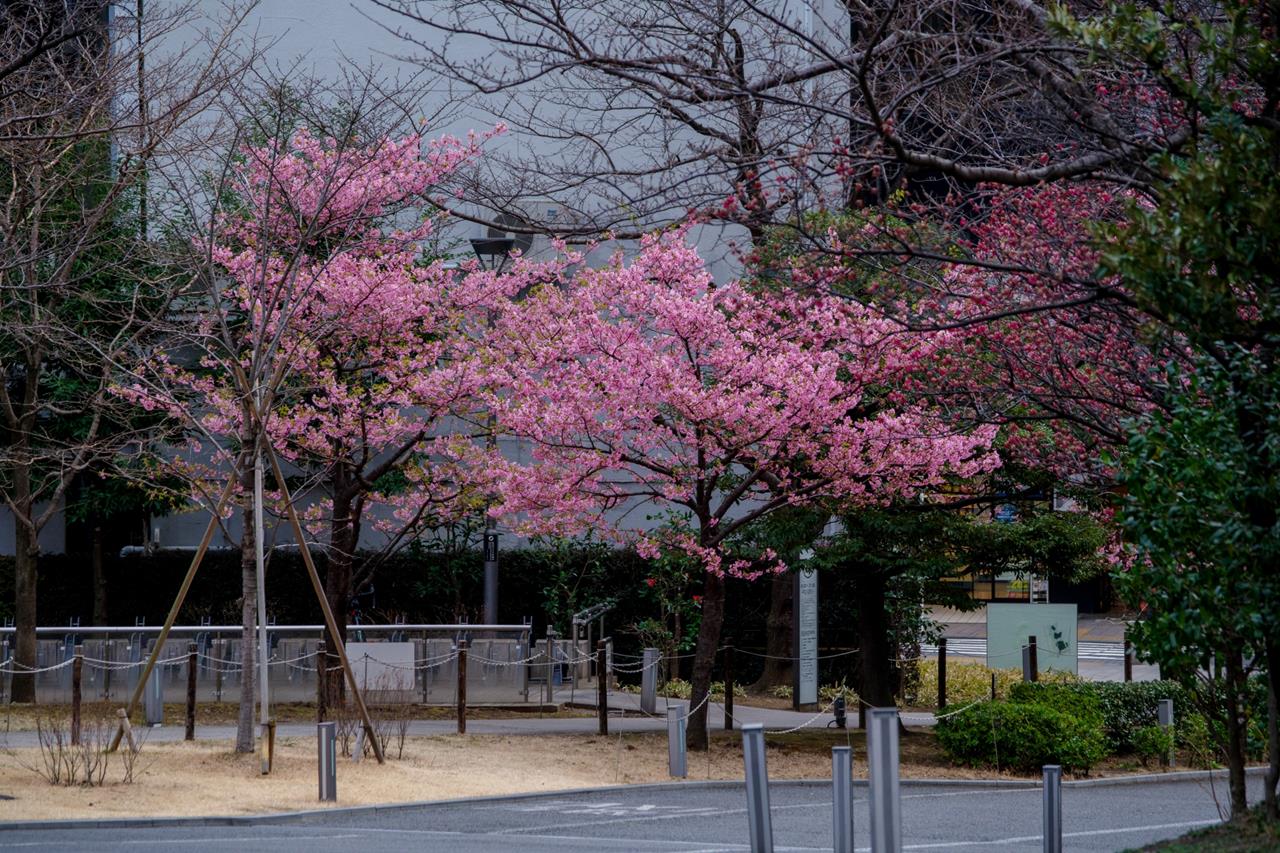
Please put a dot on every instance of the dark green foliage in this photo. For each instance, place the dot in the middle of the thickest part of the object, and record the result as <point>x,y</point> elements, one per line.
<point>1021,736</point>
<point>1152,743</point>
<point>1124,707</point>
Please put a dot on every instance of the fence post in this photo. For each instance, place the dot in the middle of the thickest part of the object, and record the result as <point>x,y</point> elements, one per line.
<point>728,688</point>
<point>322,681</point>
<point>77,675</point>
<point>942,674</point>
<point>677,764</point>
<point>1052,808</point>
<point>551,664</point>
<point>153,706</point>
<point>190,733</point>
<point>882,766</point>
<point>1128,660</point>
<point>462,687</point>
<point>993,687</point>
<point>758,818</point>
<point>326,748</point>
<point>1033,660</point>
<point>649,681</point>
<point>219,656</point>
<point>862,714</point>
<point>842,799</point>
<point>602,688</point>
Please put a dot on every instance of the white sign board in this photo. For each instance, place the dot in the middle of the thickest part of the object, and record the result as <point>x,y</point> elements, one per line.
<point>1053,626</point>
<point>382,666</point>
<point>805,689</point>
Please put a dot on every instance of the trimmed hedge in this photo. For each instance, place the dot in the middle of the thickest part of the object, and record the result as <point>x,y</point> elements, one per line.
<point>1125,707</point>
<point>1021,736</point>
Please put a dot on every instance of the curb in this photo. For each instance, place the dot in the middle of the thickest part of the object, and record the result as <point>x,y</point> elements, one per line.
<point>311,815</point>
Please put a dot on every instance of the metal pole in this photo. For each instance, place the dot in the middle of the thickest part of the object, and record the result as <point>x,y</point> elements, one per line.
<point>882,761</point>
<point>190,733</point>
<point>728,688</point>
<point>602,688</point>
<point>677,766</point>
<point>490,559</point>
<point>758,820</point>
<point>1164,716</point>
<point>1052,808</point>
<point>326,752</point>
<point>1032,657</point>
<point>842,798</point>
<point>1128,660</point>
<point>77,673</point>
<point>322,681</point>
<point>649,681</point>
<point>942,674</point>
<point>462,687</point>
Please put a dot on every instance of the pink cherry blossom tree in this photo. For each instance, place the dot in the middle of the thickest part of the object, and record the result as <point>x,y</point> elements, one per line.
<point>320,333</point>
<point>643,385</point>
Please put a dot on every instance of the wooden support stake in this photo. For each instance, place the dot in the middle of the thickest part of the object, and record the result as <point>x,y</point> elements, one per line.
<point>330,623</point>
<point>196,559</point>
<point>993,687</point>
<point>77,674</point>
<point>942,674</point>
<point>602,688</point>
<point>322,681</point>
<point>126,730</point>
<point>728,688</point>
<point>462,687</point>
<point>192,663</point>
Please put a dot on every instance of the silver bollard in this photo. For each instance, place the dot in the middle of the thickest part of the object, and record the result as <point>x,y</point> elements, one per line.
<point>842,799</point>
<point>649,682</point>
<point>1052,808</point>
<point>1164,715</point>
<point>357,751</point>
<point>882,764</point>
<point>153,701</point>
<point>758,820</point>
<point>677,765</point>
<point>327,753</point>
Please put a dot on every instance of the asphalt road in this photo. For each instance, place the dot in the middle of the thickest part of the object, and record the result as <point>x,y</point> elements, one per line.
<point>682,819</point>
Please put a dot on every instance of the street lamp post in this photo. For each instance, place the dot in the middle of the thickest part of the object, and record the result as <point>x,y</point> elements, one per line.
<point>493,253</point>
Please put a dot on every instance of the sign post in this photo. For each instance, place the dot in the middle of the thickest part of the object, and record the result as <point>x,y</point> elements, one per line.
<point>805,640</point>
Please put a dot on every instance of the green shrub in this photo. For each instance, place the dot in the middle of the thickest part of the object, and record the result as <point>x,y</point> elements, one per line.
<point>1125,707</point>
<point>678,688</point>
<point>1078,700</point>
<point>1021,736</point>
<point>1152,743</point>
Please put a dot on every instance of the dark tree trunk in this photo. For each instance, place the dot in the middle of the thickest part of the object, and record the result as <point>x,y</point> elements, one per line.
<point>1273,728</point>
<point>778,634</point>
<point>1235,683</point>
<point>339,585</point>
<point>704,659</point>
<point>25,564</point>
<point>99,579</point>
<point>248,621</point>
<point>876,682</point>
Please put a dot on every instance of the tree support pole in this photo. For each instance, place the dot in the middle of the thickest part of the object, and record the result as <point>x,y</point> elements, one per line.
<point>329,621</point>
<point>196,559</point>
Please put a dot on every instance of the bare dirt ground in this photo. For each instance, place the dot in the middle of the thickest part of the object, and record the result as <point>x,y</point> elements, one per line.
<point>205,778</point>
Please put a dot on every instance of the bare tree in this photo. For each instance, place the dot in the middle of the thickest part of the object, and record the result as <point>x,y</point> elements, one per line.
<point>85,109</point>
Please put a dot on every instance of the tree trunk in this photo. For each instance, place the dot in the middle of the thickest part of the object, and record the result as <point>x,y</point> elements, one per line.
<point>248,621</point>
<point>1273,728</point>
<point>99,579</point>
<point>876,684</point>
<point>338,589</point>
<point>1235,684</point>
<point>778,634</point>
<point>25,563</point>
<point>704,659</point>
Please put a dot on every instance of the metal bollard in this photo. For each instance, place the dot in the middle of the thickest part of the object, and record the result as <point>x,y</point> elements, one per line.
<point>842,799</point>
<point>1164,715</point>
<point>942,674</point>
<point>77,676</point>
<point>882,764</point>
<point>153,702</point>
<point>649,682</point>
<point>758,819</point>
<point>327,753</point>
<point>677,765</point>
<point>1052,808</point>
